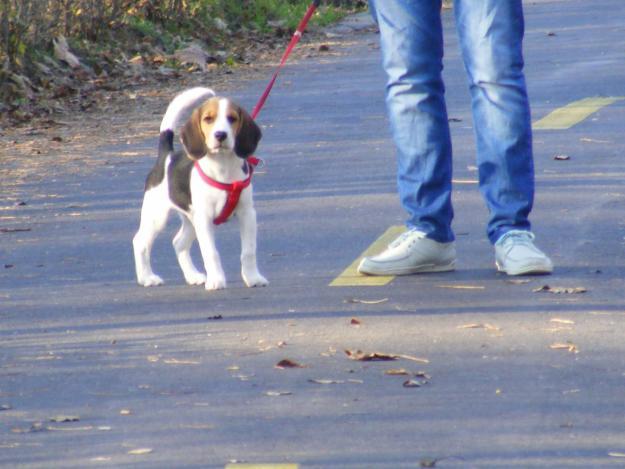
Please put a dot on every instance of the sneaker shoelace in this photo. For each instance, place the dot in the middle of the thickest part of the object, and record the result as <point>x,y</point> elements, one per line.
<point>409,236</point>
<point>518,238</point>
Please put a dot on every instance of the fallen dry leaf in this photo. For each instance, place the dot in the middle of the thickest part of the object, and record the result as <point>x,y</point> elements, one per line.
<point>570,346</point>
<point>34,428</point>
<point>366,302</point>
<point>70,429</point>
<point>286,363</point>
<point>367,357</point>
<point>331,352</point>
<point>561,321</point>
<point>379,356</point>
<point>175,361</point>
<point>488,327</point>
<point>326,381</point>
<point>404,372</point>
<point>558,329</point>
<point>558,290</point>
<point>64,418</point>
<point>140,451</point>
<point>242,377</point>
<point>592,140</point>
<point>14,230</point>
<point>517,281</point>
<point>413,383</point>
<point>278,393</point>
<point>355,322</point>
<point>125,412</point>
<point>414,359</point>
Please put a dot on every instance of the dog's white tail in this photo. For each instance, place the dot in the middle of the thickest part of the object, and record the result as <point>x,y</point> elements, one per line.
<point>182,105</point>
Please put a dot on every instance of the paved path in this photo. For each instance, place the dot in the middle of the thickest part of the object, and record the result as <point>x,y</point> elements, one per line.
<point>178,377</point>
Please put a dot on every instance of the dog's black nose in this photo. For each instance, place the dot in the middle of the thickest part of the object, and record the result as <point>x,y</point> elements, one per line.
<point>220,135</point>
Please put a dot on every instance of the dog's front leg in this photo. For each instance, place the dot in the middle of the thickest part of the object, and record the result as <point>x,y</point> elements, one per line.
<point>205,232</point>
<point>249,268</point>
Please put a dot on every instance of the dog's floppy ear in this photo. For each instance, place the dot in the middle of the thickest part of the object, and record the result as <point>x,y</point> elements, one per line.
<point>192,136</point>
<point>248,135</point>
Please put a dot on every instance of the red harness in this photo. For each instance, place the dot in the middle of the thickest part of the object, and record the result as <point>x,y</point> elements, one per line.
<point>233,189</point>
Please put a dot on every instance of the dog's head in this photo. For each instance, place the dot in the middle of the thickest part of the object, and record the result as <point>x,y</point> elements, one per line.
<point>220,125</point>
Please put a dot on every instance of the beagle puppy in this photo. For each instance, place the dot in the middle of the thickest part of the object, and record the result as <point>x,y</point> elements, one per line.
<point>217,140</point>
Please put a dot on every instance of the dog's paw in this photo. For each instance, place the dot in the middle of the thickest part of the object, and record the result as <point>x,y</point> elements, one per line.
<point>255,280</point>
<point>215,283</point>
<point>151,280</point>
<point>195,278</point>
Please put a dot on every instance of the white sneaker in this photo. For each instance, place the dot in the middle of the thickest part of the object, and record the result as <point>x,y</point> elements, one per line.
<point>516,254</point>
<point>411,253</point>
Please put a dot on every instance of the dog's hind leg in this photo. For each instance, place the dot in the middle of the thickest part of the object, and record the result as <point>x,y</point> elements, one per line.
<point>154,214</point>
<point>182,245</point>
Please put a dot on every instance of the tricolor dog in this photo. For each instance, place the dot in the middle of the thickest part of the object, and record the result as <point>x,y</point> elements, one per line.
<point>205,182</point>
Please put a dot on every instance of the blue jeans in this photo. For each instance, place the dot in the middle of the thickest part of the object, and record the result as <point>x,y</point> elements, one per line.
<point>491,35</point>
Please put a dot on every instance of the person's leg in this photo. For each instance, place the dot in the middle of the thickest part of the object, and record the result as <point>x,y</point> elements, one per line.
<point>411,40</point>
<point>412,51</point>
<point>491,37</point>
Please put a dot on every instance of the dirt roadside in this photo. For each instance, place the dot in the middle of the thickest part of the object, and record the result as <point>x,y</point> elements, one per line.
<point>63,143</point>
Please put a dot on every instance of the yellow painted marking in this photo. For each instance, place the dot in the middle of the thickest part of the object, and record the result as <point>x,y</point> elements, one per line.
<point>350,276</point>
<point>261,466</point>
<point>573,113</point>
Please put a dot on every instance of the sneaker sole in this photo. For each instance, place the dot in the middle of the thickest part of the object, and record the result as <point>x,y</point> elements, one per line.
<point>421,269</point>
<point>528,270</point>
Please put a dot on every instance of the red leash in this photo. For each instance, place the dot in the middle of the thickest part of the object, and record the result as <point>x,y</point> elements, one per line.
<point>234,189</point>
<point>294,40</point>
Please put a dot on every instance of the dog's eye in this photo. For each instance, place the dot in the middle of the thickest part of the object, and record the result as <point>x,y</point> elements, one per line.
<point>209,119</point>
<point>233,118</point>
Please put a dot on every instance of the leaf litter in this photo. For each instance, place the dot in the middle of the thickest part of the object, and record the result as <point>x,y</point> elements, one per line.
<point>569,346</point>
<point>175,361</point>
<point>359,355</point>
<point>64,418</point>
<point>140,451</point>
<point>414,383</point>
<point>366,302</point>
<point>562,321</point>
<point>404,372</point>
<point>287,363</point>
<point>278,393</point>
<point>487,326</point>
<point>335,381</point>
<point>560,290</point>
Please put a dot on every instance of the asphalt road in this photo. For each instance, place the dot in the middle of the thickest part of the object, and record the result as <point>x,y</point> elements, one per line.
<point>98,372</point>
